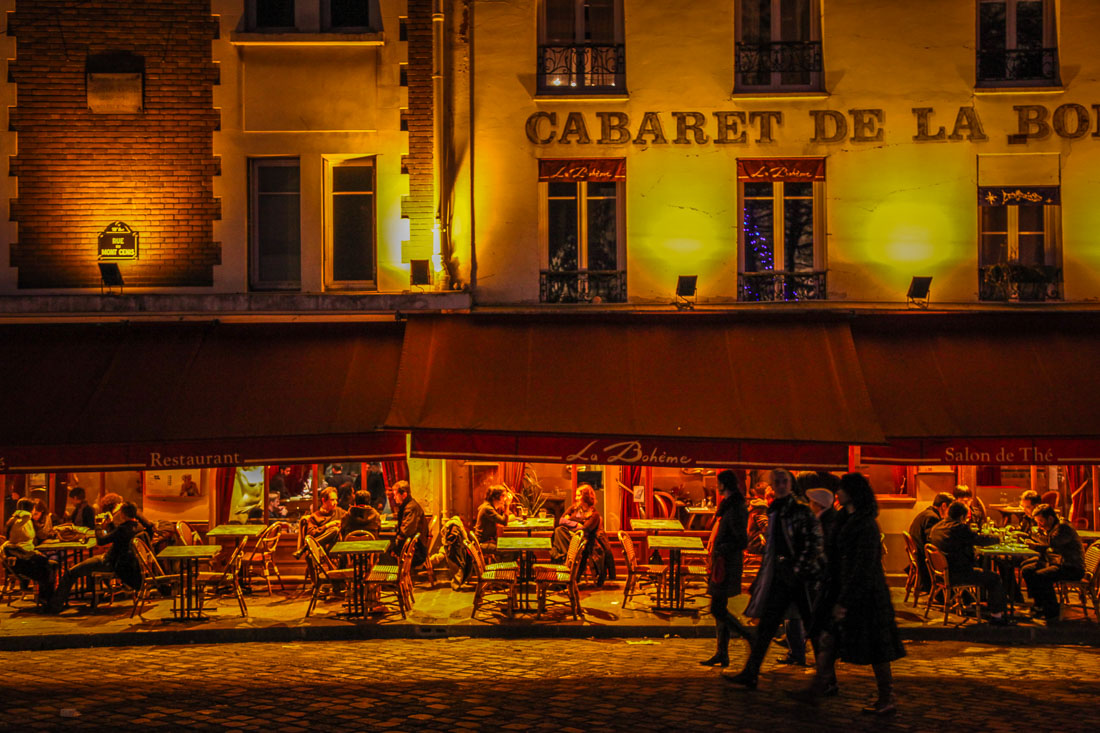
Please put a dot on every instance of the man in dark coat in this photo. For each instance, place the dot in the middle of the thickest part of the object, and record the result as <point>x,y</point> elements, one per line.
<point>82,515</point>
<point>376,485</point>
<point>728,540</point>
<point>956,540</point>
<point>1064,558</point>
<point>411,521</point>
<point>118,532</point>
<point>361,517</point>
<point>922,524</point>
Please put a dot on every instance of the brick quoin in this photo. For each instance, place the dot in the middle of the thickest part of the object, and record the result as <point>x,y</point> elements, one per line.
<point>419,205</point>
<point>78,171</point>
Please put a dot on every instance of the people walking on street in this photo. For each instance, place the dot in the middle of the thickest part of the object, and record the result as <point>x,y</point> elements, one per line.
<point>790,572</point>
<point>728,540</point>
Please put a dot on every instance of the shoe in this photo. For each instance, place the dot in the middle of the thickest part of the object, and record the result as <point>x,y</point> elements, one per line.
<point>718,660</point>
<point>745,678</point>
<point>789,660</point>
<point>883,706</point>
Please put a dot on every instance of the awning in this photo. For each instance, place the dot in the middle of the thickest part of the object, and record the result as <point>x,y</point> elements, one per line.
<point>180,395</point>
<point>638,389</point>
<point>968,389</point>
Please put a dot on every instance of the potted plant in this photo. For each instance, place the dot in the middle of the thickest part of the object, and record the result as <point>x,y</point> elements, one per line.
<point>530,496</point>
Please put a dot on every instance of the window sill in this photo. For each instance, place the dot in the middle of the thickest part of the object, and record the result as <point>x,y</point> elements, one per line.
<point>991,91</point>
<point>896,501</point>
<point>582,97</point>
<point>295,38</point>
<point>779,94</point>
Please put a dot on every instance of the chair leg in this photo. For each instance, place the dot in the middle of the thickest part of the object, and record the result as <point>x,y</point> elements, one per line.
<point>477,599</point>
<point>240,597</point>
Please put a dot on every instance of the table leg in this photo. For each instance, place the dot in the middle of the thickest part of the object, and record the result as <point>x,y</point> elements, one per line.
<point>674,559</point>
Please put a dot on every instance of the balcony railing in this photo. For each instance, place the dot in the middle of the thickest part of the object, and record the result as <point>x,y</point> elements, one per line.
<point>582,68</point>
<point>1017,66</point>
<point>603,286</point>
<point>781,63</point>
<point>773,286</point>
<point>1025,283</point>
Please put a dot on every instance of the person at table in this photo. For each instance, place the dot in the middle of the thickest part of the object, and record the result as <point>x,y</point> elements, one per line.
<point>43,520</point>
<point>362,517</point>
<point>117,533</point>
<point>956,540</point>
<point>728,539</point>
<point>860,628</point>
<point>344,485</point>
<point>790,573</point>
<point>973,504</point>
<point>491,516</point>
<point>323,525</point>
<point>376,485</point>
<point>1063,558</point>
<point>581,515</point>
<point>82,514</point>
<point>919,528</point>
<point>1029,500</point>
<point>28,562</point>
<point>411,521</point>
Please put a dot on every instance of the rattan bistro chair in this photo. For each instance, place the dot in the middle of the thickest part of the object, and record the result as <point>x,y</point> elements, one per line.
<point>562,577</point>
<point>912,578</point>
<point>953,597</point>
<point>263,554</point>
<point>636,571</point>
<point>1087,587</point>
<point>500,579</point>
<point>153,576</point>
<point>226,578</point>
<point>325,573</point>
<point>187,533</point>
<point>399,584</point>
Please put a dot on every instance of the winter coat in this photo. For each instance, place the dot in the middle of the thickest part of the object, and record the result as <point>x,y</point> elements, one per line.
<point>802,533</point>
<point>868,633</point>
<point>727,555</point>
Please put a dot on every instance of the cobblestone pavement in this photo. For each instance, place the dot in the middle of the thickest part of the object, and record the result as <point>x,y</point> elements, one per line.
<point>560,685</point>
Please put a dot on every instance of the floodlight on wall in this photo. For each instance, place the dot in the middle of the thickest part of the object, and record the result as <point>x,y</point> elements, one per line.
<point>420,272</point>
<point>110,277</point>
<point>919,288</point>
<point>685,292</point>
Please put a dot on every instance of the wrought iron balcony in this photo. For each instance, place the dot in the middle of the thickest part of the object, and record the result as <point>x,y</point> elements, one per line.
<point>777,285</point>
<point>797,63</point>
<point>593,286</point>
<point>1026,283</point>
<point>582,68</point>
<point>1019,65</point>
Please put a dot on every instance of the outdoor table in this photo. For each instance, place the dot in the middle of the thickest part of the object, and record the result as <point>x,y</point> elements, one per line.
<point>674,545</point>
<point>1088,536</point>
<point>360,552</point>
<point>1009,513</point>
<point>188,603</point>
<point>529,525</point>
<point>657,525</point>
<point>69,554</point>
<point>241,533</point>
<point>389,525</point>
<point>695,511</point>
<point>526,547</point>
<point>1015,554</point>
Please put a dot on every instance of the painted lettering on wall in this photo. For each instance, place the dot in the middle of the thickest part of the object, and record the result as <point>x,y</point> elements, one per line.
<point>1021,455</point>
<point>629,451</point>
<point>159,460</point>
<point>1031,122</point>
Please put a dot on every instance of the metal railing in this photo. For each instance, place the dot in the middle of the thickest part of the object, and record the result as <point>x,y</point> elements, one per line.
<point>778,285</point>
<point>592,286</point>
<point>582,68</point>
<point>1032,65</point>
<point>1012,282</point>
<point>798,63</point>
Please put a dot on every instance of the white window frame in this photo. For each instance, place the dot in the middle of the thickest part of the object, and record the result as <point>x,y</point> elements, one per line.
<point>329,164</point>
<point>582,226</point>
<point>1049,36</point>
<point>254,282</point>
<point>776,31</point>
<point>1052,236</point>
<point>779,255</point>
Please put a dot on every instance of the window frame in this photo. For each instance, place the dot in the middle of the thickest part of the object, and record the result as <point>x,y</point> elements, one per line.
<point>321,18</point>
<point>1050,41</point>
<point>817,78</point>
<point>1052,258</point>
<point>579,40</point>
<point>779,234</point>
<point>254,281</point>
<point>330,163</point>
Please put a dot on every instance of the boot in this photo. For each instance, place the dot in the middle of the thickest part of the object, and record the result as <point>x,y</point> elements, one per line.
<point>746,678</point>
<point>887,702</point>
<point>721,656</point>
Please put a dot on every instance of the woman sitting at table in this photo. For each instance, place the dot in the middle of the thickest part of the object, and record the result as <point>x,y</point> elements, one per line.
<point>491,516</point>
<point>581,515</point>
<point>27,562</point>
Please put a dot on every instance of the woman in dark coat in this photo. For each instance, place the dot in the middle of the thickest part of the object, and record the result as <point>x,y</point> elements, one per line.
<point>728,541</point>
<point>861,628</point>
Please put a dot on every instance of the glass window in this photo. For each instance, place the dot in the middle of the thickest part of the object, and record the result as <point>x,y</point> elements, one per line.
<point>275,224</point>
<point>274,13</point>
<point>351,236</point>
<point>584,242</point>
<point>779,44</point>
<point>580,46</point>
<point>1019,251</point>
<point>349,13</point>
<point>1016,43</point>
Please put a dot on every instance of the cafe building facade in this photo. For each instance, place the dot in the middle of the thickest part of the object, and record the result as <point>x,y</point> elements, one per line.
<point>597,251</point>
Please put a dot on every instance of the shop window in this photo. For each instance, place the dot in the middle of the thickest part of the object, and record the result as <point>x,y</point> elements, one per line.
<point>778,45</point>
<point>581,47</point>
<point>274,220</point>
<point>340,16</point>
<point>1019,252</point>
<point>1016,43</point>
<point>115,83</point>
<point>582,219</point>
<point>350,247</point>
<point>781,241</point>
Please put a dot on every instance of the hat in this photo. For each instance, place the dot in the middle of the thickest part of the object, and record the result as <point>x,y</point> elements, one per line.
<point>821,497</point>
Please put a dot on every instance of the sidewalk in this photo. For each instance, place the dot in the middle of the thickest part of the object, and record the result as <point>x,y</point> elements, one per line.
<point>442,612</point>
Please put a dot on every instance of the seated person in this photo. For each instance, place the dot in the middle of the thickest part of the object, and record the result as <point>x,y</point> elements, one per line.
<point>108,503</point>
<point>43,520</point>
<point>1028,501</point>
<point>188,487</point>
<point>919,529</point>
<point>581,515</point>
<point>118,531</point>
<point>973,504</point>
<point>1063,559</point>
<point>956,540</point>
<point>491,516</point>
<point>82,515</point>
<point>19,546</point>
<point>361,517</point>
<point>324,524</point>
<point>411,521</point>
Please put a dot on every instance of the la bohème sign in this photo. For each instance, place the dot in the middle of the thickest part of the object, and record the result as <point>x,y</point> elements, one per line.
<point>738,127</point>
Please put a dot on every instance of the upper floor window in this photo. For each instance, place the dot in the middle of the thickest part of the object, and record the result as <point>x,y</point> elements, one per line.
<point>581,47</point>
<point>350,247</point>
<point>1016,43</point>
<point>781,242</point>
<point>311,16</point>
<point>1019,253</point>
<point>581,222</point>
<point>778,45</point>
<point>274,224</point>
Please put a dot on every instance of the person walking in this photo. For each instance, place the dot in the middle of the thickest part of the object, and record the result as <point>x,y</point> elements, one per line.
<point>790,572</point>
<point>859,625</point>
<point>728,540</point>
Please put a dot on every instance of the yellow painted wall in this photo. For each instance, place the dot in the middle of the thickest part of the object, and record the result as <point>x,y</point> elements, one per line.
<point>895,208</point>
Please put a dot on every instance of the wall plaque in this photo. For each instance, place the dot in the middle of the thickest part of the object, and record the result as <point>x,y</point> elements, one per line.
<point>118,242</point>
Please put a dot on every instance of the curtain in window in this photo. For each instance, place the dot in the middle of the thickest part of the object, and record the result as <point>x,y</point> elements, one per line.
<point>394,471</point>
<point>511,474</point>
<point>600,21</point>
<point>629,477</point>
<point>223,493</point>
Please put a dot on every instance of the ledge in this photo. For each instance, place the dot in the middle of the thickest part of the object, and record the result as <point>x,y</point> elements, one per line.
<point>292,38</point>
<point>766,95</point>
<point>544,97</point>
<point>1006,91</point>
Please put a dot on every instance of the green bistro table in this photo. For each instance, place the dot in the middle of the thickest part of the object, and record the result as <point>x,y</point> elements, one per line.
<point>697,511</point>
<point>389,525</point>
<point>1088,536</point>
<point>69,554</point>
<point>529,525</point>
<point>657,525</point>
<point>674,545</point>
<point>241,533</point>
<point>526,547</point>
<point>188,603</point>
<point>1014,554</point>
<point>360,552</point>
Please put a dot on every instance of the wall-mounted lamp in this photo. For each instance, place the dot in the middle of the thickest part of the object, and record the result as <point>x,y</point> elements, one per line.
<point>919,288</point>
<point>685,292</point>
<point>109,277</point>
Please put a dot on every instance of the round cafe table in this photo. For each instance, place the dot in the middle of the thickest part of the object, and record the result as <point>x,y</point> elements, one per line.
<point>1014,554</point>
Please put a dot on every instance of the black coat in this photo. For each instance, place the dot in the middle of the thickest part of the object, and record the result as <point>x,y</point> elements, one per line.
<point>727,556</point>
<point>868,634</point>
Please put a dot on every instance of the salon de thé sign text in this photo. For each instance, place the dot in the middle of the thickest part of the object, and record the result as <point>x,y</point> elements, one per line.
<point>733,127</point>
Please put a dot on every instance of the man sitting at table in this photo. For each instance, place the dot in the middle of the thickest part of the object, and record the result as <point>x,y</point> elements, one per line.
<point>324,524</point>
<point>973,504</point>
<point>82,515</point>
<point>411,521</point>
<point>919,529</point>
<point>956,540</point>
<point>118,530</point>
<point>1029,500</point>
<point>27,562</point>
<point>1063,559</point>
<point>362,517</point>
<point>491,516</point>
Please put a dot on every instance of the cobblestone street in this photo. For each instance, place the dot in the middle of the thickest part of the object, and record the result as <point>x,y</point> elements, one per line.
<point>566,685</point>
